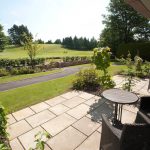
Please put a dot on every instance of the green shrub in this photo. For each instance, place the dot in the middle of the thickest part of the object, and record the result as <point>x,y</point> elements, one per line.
<point>3,72</point>
<point>106,82</point>
<point>4,144</point>
<point>25,70</point>
<point>22,70</point>
<point>87,79</point>
<point>101,59</point>
<point>146,68</point>
<point>14,71</point>
<point>142,49</point>
<point>138,62</point>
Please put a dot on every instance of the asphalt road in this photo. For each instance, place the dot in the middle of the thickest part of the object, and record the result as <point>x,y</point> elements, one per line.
<point>20,83</point>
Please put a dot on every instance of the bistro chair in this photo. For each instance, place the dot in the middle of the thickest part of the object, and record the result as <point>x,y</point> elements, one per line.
<point>130,137</point>
<point>143,115</point>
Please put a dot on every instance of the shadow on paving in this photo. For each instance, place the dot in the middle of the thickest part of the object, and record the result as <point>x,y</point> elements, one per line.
<point>98,108</point>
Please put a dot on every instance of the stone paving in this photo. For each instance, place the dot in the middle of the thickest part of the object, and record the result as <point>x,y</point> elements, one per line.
<point>73,119</point>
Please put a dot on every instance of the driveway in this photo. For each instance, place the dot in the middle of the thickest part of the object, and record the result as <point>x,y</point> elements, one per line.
<point>20,83</point>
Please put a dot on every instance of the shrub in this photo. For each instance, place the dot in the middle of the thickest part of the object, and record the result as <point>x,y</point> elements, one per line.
<point>142,49</point>
<point>4,144</point>
<point>14,71</point>
<point>101,59</point>
<point>146,68</point>
<point>138,62</point>
<point>3,72</point>
<point>25,70</point>
<point>22,70</point>
<point>106,82</point>
<point>87,79</point>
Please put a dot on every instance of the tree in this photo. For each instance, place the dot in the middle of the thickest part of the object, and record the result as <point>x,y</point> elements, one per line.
<point>123,25</point>
<point>2,39</point>
<point>17,34</point>
<point>49,42</point>
<point>79,43</point>
<point>39,41</point>
<point>58,41</point>
<point>31,48</point>
<point>101,59</point>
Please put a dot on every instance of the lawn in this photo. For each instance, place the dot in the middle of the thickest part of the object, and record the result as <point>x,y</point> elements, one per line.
<point>46,50</point>
<point>22,97</point>
<point>6,79</point>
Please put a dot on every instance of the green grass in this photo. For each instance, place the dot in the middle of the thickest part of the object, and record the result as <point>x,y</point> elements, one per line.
<point>46,50</point>
<point>22,97</point>
<point>6,79</point>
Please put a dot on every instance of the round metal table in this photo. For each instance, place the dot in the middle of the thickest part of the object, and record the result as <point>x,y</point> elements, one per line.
<point>119,97</point>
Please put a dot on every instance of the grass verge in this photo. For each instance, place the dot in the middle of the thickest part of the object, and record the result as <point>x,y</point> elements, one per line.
<point>6,79</point>
<point>22,97</point>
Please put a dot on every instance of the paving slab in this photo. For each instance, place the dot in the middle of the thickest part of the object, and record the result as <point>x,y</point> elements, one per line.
<point>58,124</point>
<point>86,125</point>
<point>86,96</point>
<point>10,119</point>
<point>69,139</point>
<point>100,129</point>
<point>118,79</point>
<point>16,145</point>
<point>40,118</point>
<point>97,97</point>
<point>95,102</point>
<point>59,109</point>
<point>24,113</point>
<point>28,138</point>
<point>56,100</point>
<point>18,129</point>
<point>106,108</point>
<point>91,143</point>
<point>71,94</point>
<point>79,111</point>
<point>131,108</point>
<point>73,102</point>
<point>128,117</point>
<point>39,107</point>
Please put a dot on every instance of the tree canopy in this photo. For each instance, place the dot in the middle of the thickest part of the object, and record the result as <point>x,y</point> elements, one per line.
<point>2,38</point>
<point>17,34</point>
<point>123,25</point>
<point>79,43</point>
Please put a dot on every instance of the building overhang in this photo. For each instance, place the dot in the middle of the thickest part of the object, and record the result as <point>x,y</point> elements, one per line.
<point>142,6</point>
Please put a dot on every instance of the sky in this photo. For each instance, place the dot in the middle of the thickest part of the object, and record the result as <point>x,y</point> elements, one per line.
<point>55,19</point>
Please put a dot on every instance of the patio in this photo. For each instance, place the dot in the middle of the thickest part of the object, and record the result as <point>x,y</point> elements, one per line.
<point>73,119</point>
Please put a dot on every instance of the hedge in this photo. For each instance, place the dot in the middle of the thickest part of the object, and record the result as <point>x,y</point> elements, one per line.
<point>20,62</point>
<point>4,63</point>
<point>142,49</point>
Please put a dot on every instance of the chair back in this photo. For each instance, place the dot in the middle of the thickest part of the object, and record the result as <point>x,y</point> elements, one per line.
<point>135,137</point>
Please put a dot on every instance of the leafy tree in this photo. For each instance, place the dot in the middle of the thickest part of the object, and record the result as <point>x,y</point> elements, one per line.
<point>2,38</point>
<point>31,48</point>
<point>123,25</point>
<point>39,41</point>
<point>8,40</point>
<point>17,34</point>
<point>101,59</point>
<point>79,43</point>
<point>49,42</point>
<point>58,41</point>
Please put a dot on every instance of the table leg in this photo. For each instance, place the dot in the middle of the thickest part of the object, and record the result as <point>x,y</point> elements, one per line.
<point>117,114</point>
